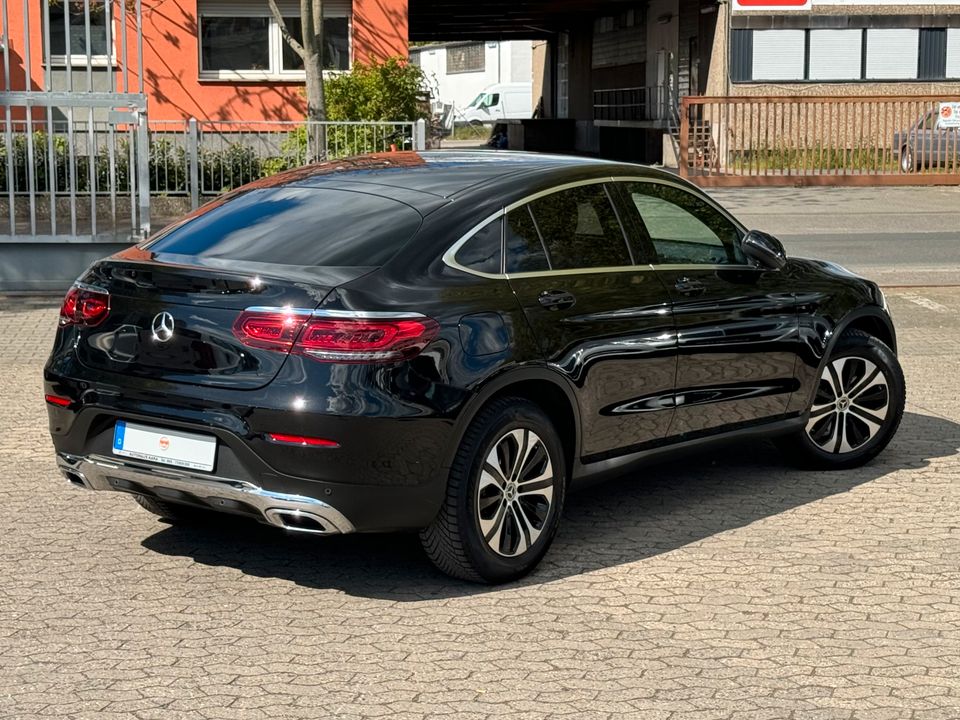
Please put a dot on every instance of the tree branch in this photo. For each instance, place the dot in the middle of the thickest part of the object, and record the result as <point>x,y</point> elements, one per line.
<point>297,47</point>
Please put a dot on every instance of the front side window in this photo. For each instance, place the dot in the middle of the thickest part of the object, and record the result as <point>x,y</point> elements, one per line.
<point>70,18</point>
<point>580,229</point>
<point>683,228</point>
<point>250,44</point>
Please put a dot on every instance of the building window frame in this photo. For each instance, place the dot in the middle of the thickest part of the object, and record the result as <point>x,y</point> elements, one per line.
<point>275,44</point>
<point>476,67</point>
<point>79,60</point>
<point>741,45</point>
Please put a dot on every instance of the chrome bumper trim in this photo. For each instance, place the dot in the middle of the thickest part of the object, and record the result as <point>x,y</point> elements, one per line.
<point>96,472</point>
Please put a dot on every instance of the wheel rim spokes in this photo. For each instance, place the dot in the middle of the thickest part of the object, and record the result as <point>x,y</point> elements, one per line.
<point>515,492</point>
<point>850,406</point>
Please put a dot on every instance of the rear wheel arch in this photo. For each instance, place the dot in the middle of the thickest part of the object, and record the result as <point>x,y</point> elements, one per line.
<point>544,388</point>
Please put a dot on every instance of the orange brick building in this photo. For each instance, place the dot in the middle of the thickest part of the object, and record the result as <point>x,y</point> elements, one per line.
<point>217,59</point>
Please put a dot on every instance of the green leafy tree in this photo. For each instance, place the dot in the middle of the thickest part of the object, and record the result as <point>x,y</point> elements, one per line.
<point>387,90</point>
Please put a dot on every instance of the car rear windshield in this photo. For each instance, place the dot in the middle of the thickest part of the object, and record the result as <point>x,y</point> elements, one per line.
<point>296,226</point>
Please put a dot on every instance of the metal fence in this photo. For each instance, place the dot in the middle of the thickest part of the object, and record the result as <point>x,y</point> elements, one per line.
<point>738,141</point>
<point>75,178</point>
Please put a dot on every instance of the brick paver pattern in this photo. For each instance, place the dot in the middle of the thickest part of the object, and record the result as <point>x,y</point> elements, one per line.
<point>726,585</point>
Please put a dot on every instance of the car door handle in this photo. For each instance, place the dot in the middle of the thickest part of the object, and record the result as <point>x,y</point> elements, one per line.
<point>686,286</point>
<point>556,299</point>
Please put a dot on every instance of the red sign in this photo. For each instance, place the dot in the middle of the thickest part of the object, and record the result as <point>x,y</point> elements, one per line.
<point>773,4</point>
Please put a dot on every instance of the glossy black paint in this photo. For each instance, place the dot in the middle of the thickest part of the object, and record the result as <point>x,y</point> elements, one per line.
<point>642,359</point>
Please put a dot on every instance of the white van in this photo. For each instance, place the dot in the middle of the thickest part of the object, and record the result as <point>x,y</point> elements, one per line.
<point>502,101</point>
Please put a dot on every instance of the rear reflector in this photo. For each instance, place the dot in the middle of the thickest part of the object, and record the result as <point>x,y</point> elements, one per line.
<point>301,440</point>
<point>58,400</point>
<point>342,338</point>
<point>84,306</point>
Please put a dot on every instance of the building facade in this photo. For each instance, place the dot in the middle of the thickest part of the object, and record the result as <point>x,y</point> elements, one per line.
<point>217,59</point>
<point>456,72</point>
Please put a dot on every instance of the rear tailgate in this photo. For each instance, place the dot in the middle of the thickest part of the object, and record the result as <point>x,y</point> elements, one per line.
<point>174,322</point>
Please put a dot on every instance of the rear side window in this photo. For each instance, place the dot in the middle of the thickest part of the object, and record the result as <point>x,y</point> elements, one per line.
<point>524,249</point>
<point>580,229</point>
<point>296,226</point>
<point>482,251</point>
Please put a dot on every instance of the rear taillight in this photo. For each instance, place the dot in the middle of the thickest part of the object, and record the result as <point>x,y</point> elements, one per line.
<point>84,306</point>
<point>340,337</point>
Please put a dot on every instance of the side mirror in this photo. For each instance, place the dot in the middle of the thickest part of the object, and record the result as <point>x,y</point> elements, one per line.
<point>763,250</point>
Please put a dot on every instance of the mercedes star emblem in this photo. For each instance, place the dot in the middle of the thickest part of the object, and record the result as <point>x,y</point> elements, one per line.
<point>163,327</point>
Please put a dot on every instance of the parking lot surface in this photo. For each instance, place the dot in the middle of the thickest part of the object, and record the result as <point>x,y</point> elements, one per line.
<point>727,585</point>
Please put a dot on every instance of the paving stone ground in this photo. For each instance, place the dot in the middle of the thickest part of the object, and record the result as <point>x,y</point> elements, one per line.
<point>724,586</point>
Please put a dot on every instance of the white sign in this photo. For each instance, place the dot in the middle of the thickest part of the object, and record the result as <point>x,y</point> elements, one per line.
<point>949,115</point>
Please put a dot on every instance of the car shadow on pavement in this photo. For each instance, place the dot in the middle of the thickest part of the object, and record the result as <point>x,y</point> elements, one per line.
<point>644,513</point>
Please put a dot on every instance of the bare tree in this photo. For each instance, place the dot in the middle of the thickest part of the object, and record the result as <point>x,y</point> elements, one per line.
<point>310,51</point>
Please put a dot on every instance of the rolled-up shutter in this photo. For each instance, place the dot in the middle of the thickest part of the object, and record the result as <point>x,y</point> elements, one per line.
<point>835,54</point>
<point>893,54</point>
<point>953,53</point>
<point>778,54</point>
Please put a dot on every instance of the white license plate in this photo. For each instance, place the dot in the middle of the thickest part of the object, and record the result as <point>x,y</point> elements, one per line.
<point>159,445</point>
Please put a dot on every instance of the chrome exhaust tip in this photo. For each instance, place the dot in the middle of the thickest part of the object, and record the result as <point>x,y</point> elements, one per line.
<point>300,521</point>
<point>76,479</point>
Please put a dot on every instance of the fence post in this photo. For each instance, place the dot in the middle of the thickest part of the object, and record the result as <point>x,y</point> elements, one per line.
<point>143,172</point>
<point>193,153</point>
<point>684,140</point>
<point>420,135</point>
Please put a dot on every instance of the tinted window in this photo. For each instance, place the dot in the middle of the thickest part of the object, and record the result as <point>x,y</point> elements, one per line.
<point>683,228</point>
<point>482,251</point>
<point>296,226</point>
<point>525,252</point>
<point>580,229</point>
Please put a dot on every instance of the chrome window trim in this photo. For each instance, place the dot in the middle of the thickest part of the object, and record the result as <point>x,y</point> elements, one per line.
<point>680,186</point>
<point>449,257</point>
<point>352,314</point>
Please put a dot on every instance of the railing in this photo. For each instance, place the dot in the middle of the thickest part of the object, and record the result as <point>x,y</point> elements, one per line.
<point>632,104</point>
<point>74,178</point>
<point>818,141</point>
<point>200,158</point>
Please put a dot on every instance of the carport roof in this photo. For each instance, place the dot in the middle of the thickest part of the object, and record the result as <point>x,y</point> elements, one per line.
<point>498,19</point>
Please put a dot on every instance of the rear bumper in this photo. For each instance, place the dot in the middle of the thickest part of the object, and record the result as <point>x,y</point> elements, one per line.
<point>292,512</point>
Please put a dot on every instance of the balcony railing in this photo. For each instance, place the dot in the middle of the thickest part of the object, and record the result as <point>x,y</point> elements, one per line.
<point>632,104</point>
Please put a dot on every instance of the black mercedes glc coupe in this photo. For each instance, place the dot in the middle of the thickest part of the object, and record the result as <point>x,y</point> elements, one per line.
<point>446,342</point>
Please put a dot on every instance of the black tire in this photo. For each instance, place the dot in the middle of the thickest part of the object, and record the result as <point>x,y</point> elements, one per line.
<point>172,512</point>
<point>840,423</point>
<point>908,162</point>
<point>455,542</point>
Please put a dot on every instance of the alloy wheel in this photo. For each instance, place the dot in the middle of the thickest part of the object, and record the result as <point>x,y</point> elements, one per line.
<point>850,407</point>
<point>515,492</point>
